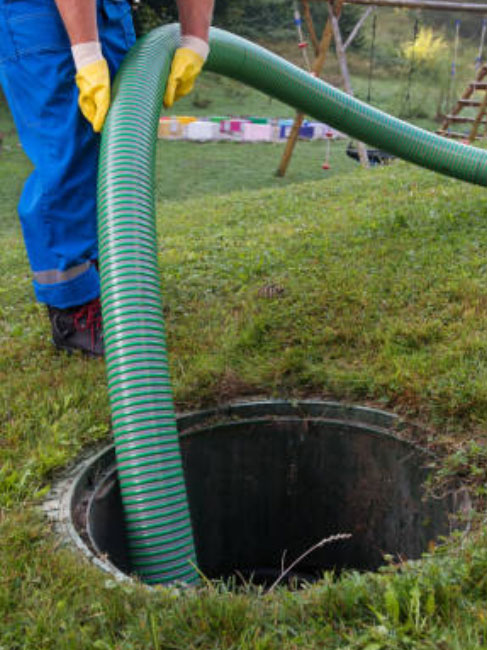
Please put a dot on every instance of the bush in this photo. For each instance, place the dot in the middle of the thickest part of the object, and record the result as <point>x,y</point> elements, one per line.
<point>470,27</point>
<point>256,19</point>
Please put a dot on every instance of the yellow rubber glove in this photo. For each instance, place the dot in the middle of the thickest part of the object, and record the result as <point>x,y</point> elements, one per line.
<point>186,66</point>
<point>93,81</point>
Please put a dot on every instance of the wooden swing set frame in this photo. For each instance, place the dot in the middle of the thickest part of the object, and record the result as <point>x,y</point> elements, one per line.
<point>332,31</point>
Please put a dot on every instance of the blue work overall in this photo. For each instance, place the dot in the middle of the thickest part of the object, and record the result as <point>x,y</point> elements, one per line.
<point>57,208</point>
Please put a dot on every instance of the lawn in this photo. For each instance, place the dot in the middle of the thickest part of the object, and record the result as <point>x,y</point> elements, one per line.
<point>382,300</point>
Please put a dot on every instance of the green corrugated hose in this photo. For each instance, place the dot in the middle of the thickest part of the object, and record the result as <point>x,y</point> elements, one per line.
<point>149,464</point>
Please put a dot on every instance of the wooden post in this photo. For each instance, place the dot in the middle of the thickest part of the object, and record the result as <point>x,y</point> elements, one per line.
<point>358,27</point>
<point>318,64</point>
<point>342,59</point>
<point>461,103</point>
<point>310,26</point>
<point>433,5</point>
<point>480,115</point>
<point>325,42</point>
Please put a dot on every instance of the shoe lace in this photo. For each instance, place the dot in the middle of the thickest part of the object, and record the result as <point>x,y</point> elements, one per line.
<point>88,317</point>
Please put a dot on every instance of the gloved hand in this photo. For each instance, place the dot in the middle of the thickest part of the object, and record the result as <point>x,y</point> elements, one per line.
<point>186,66</point>
<point>93,81</point>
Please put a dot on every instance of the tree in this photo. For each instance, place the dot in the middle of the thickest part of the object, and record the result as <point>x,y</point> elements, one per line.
<point>149,14</point>
<point>250,18</point>
<point>349,17</point>
<point>470,23</point>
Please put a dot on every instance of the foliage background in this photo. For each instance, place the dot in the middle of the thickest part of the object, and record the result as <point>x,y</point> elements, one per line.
<point>249,18</point>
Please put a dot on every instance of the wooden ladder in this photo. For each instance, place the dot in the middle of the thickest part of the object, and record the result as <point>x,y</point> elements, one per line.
<point>469,99</point>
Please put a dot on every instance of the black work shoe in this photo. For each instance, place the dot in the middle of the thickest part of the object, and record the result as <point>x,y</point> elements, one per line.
<point>78,328</point>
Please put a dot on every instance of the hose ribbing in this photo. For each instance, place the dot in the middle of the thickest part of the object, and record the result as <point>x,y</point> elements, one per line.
<point>150,472</point>
<point>257,67</point>
<point>146,439</point>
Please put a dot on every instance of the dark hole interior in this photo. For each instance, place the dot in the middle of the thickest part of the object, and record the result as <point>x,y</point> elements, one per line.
<point>264,491</point>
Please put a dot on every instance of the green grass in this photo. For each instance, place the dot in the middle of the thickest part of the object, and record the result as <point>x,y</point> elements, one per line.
<point>384,281</point>
<point>187,170</point>
<point>390,289</point>
<point>383,300</point>
<point>222,96</point>
<point>14,170</point>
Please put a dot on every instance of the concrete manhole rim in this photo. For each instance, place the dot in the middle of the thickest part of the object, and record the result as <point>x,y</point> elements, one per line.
<point>59,504</point>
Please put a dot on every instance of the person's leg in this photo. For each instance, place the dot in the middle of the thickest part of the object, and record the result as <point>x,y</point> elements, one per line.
<point>58,204</point>
<point>57,208</point>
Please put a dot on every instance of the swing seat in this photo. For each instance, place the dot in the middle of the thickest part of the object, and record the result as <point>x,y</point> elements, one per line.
<point>375,156</point>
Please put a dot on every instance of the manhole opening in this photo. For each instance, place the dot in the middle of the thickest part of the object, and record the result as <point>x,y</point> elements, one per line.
<point>264,486</point>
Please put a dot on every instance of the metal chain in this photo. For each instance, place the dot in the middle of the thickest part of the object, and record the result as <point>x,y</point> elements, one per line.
<point>412,68</point>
